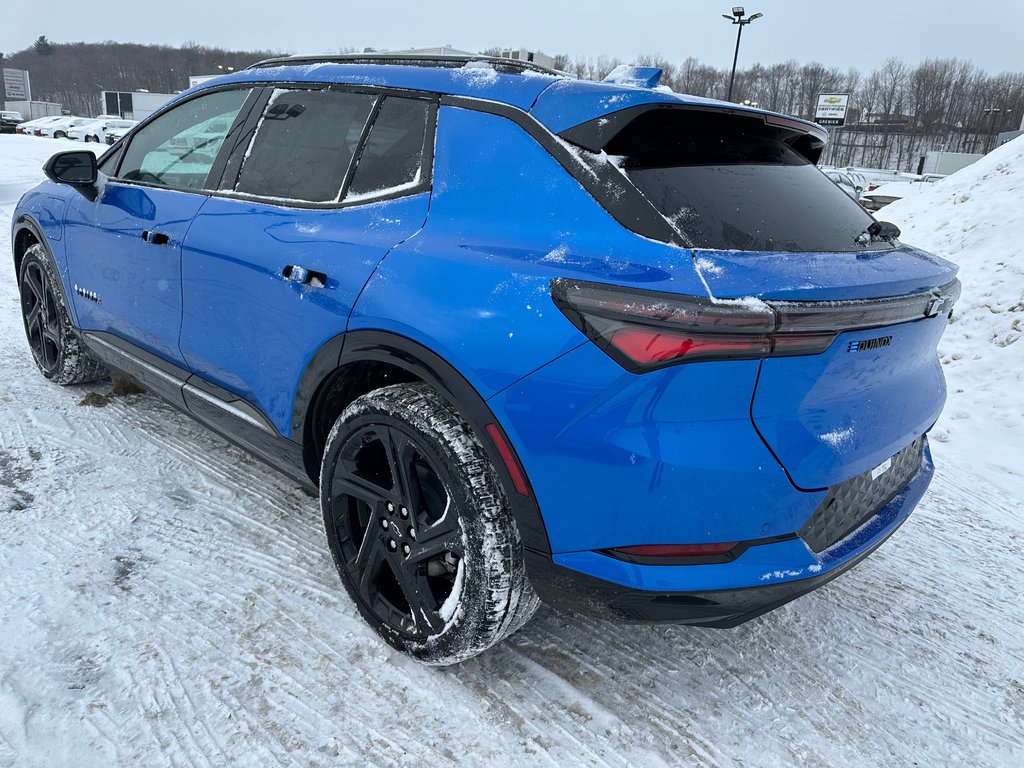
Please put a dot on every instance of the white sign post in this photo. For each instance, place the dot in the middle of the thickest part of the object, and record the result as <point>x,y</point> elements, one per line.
<point>831,109</point>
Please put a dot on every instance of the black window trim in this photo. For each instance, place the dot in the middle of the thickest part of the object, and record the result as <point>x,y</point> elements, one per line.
<point>425,183</point>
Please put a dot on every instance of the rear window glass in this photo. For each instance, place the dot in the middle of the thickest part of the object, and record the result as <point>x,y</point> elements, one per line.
<point>392,158</point>
<point>733,183</point>
<point>304,145</point>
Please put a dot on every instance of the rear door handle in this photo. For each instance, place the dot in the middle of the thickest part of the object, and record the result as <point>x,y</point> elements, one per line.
<point>156,238</point>
<point>303,276</point>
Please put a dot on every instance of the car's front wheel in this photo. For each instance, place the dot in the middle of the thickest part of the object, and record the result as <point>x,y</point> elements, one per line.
<point>419,527</point>
<point>58,353</point>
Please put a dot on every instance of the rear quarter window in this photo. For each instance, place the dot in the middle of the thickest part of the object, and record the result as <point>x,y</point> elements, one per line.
<point>393,158</point>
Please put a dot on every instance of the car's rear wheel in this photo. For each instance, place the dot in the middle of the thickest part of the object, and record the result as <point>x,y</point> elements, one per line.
<point>59,135</point>
<point>419,527</point>
<point>58,353</point>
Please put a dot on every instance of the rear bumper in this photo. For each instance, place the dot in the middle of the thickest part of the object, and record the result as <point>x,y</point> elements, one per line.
<point>632,593</point>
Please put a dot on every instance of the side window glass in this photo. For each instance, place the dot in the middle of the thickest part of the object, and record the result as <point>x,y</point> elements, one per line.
<point>304,145</point>
<point>392,158</point>
<point>178,149</point>
<point>110,161</point>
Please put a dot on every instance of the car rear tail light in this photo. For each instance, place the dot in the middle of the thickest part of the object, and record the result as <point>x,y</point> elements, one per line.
<point>645,330</point>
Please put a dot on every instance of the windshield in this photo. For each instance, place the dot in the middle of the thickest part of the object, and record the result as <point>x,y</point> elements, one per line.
<point>733,182</point>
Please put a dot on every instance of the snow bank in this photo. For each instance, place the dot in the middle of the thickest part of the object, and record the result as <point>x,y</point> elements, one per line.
<point>975,218</point>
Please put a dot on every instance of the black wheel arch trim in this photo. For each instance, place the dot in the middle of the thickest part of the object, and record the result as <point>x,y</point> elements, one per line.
<point>404,353</point>
<point>27,223</point>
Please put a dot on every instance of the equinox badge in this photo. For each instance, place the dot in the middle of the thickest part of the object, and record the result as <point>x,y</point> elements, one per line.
<point>866,344</point>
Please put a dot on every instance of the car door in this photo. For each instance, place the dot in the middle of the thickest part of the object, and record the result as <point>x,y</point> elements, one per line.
<point>124,241</point>
<point>331,181</point>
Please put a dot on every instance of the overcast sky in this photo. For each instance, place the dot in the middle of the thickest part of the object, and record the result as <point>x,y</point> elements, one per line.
<point>846,34</point>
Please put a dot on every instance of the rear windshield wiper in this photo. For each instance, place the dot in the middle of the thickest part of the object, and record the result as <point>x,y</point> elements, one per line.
<point>879,230</point>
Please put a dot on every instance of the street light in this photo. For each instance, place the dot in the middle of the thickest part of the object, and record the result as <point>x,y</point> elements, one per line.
<point>992,112</point>
<point>739,21</point>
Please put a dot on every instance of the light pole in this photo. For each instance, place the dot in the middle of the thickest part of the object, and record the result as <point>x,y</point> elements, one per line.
<point>992,112</point>
<point>739,21</point>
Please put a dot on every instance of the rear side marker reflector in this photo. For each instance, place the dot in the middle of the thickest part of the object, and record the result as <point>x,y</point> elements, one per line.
<point>645,330</point>
<point>514,471</point>
<point>678,550</point>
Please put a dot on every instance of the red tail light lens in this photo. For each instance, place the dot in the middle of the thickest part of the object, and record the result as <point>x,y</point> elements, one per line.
<point>647,346</point>
<point>678,550</point>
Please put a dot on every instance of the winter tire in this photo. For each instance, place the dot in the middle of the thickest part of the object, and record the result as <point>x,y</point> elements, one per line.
<point>59,135</point>
<point>419,527</point>
<point>51,336</point>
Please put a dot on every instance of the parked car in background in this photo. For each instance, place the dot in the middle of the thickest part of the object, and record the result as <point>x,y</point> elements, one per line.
<point>9,121</point>
<point>28,127</point>
<point>688,384</point>
<point>59,128</point>
<point>875,177</point>
<point>96,130</point>
<point>114,135</point>
<point>845,182</point>
<point>879,197</point>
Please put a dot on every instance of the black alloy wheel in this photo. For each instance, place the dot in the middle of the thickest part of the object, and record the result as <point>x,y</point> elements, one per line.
<point>397,529</point>
<point>419,526</point>
<point>40,309</point>
<point>52,337</point>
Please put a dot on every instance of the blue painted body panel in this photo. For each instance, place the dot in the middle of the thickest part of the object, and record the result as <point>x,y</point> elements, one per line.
<point>667,457</point>
<point>248,329</point>
<point>831,416</point>
<point>138,283</point>
<point>784,561</point>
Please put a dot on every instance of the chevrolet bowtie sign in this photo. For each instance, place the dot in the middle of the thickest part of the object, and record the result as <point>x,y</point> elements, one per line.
<point>831,109</point>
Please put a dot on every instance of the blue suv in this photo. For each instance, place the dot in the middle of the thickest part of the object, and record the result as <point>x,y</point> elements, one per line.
<point>599,345</point>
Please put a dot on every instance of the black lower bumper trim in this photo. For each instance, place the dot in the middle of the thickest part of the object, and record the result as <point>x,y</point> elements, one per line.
<point>575,592</point>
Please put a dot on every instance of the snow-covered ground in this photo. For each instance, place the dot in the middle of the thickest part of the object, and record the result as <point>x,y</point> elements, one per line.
<point>167,600</point>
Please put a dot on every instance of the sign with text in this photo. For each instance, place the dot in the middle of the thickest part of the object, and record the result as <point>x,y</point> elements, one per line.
<point>831,109</point>
<point>16,85</point>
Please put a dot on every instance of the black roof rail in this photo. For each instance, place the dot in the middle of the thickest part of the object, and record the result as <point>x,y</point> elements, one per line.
<point>507,66</point>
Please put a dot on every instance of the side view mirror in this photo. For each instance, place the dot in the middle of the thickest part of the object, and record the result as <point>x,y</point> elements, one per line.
<point>77,168</point>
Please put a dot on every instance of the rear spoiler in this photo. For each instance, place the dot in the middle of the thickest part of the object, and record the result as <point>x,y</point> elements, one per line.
<point>808,139</point>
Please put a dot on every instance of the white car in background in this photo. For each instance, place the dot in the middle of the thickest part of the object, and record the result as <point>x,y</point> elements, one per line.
<point>114,135</point>
<point>29,126</point>
<point>96,130</point>
<point>882,195</point>
<point>59,129</point>
<point>846,181</point>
